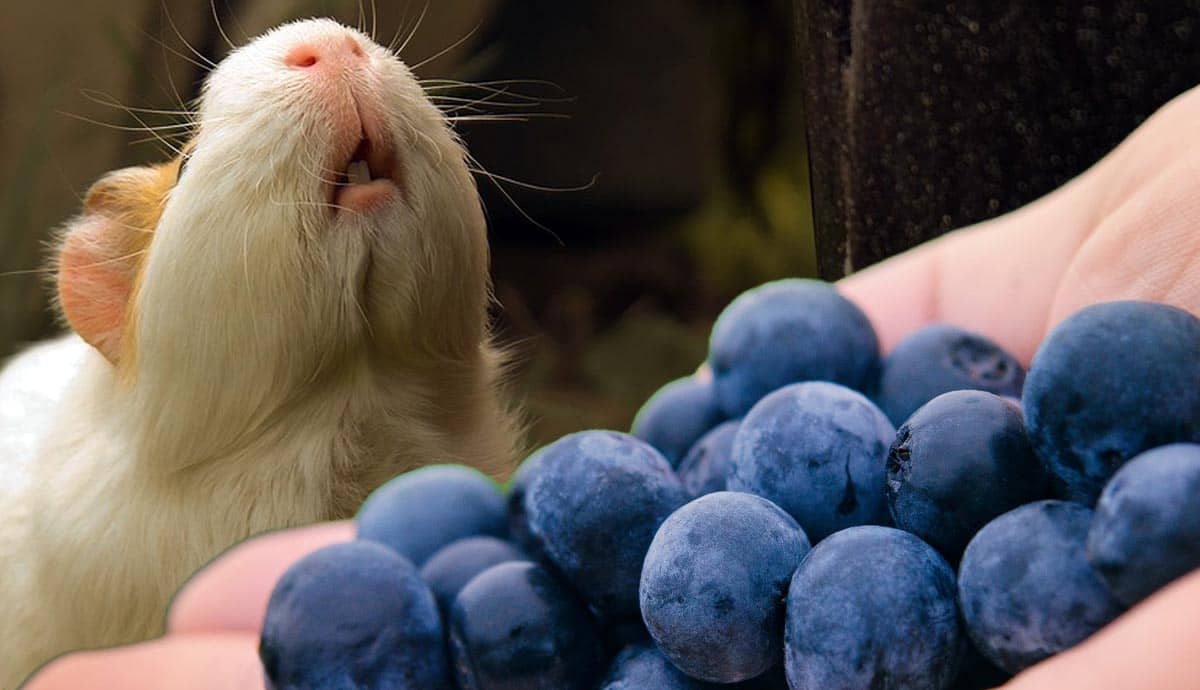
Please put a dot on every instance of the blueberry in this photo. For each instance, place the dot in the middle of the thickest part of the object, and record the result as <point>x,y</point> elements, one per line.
<point>1109,382</point>
<point>514,627</point>
<point>872,607</point>
<point>645,668</point>
<point>518,521</point>
<point>818,451</point>
<point>421,511</point>
<point>706,464</point>
<point>713,585</point>
<point>349,616</point>
<point>941,358</point>
<point>789,331</point>
<point>960,461</point>
<point>678,414</point>
<point>1146,531</point>
<point>1025,586</point>
<point>593,507</point>
<point>453,566</point>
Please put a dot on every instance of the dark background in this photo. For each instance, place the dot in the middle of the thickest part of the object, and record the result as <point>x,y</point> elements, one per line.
<point>686,122</point>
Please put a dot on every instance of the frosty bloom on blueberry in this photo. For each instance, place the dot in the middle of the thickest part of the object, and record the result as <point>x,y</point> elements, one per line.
<point>614,580</point>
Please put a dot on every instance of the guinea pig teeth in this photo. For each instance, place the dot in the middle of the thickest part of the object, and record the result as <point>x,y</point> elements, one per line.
<point>358,172</point>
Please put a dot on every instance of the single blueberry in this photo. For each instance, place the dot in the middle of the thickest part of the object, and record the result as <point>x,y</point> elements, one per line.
<point>421,511</point>
<point>453,566</point>
<point>789,331</point>
<point>942,358</point>
<point>1146,531</point>
<point>593,507</point>
<point>706,465</point>
<point>960,461</point>
<point>1109,382</point>
<point>645,668</point>
<point>872,607</point>
<point>1025,586</point>
<point>817,450</point>
<point>514,627</point>
<point>350,616</point>
<point>678,414</point>
<point>518,521</point>
<point>713,585</point>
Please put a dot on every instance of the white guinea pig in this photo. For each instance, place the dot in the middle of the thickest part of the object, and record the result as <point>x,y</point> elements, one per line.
<point>265,329</point>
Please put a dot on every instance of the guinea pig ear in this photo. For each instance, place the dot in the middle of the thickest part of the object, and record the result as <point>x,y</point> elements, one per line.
<point>102,252</point>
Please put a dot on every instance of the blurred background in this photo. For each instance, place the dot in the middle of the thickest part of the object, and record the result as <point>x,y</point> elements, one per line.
<point>657,157</point>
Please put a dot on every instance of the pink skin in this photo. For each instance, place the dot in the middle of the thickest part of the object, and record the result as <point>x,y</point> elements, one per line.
<point>363,135</point>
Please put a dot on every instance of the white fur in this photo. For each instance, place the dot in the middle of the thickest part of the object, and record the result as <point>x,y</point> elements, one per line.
<point>287,359</point>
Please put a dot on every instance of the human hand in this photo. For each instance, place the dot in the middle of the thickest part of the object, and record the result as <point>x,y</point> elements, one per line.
<point>1129,228</point>
<point>212,627</point>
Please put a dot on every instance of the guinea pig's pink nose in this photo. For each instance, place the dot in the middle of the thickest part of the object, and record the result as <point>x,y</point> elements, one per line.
<point>310,54</point>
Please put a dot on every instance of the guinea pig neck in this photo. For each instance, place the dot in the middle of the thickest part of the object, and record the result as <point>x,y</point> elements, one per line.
<point>312,409</point>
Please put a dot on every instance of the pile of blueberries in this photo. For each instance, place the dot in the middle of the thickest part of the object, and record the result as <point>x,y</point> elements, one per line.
<point>767,526</point>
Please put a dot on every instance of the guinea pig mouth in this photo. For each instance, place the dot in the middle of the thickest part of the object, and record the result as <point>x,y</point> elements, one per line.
<point>367,177</point>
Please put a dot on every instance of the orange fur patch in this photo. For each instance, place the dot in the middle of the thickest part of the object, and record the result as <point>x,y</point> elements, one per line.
<point>103,252</point>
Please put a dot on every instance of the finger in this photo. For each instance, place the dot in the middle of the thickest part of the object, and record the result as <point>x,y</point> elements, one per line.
<point>1147,248</point>
<point>207,662</point>
<point>1153,647</point>
<point>898,295</point>
<point>231,593</point>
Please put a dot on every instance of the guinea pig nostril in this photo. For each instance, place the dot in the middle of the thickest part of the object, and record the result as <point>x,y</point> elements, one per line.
<point>302,57</point>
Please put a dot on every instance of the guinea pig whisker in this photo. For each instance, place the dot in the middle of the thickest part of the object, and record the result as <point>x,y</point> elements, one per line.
<point>107,100</point>
<point>445,50</point>
<point>208,64</point>
<point>336,180</point>
<point>536,187</point>
<point>217,20</point>
<point>480,170</point>
<point>144,128</point>
<point>489,100</point>
<point>101,98</point>
<point>53,270</point>
<point>174,89</point>
<point>505,87</point>
<point>417,25</point>
<point>322,204</point>
<point>508,117</point>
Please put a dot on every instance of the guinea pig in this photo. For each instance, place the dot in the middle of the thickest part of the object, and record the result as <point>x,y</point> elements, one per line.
<point>265,329</point>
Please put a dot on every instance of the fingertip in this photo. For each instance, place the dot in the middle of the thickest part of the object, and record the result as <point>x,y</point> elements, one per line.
<point>209,662</point>
<point>231,593</point>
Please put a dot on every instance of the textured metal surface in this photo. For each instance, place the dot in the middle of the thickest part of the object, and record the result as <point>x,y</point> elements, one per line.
<point>30,387</point>
<point>923,117</point>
